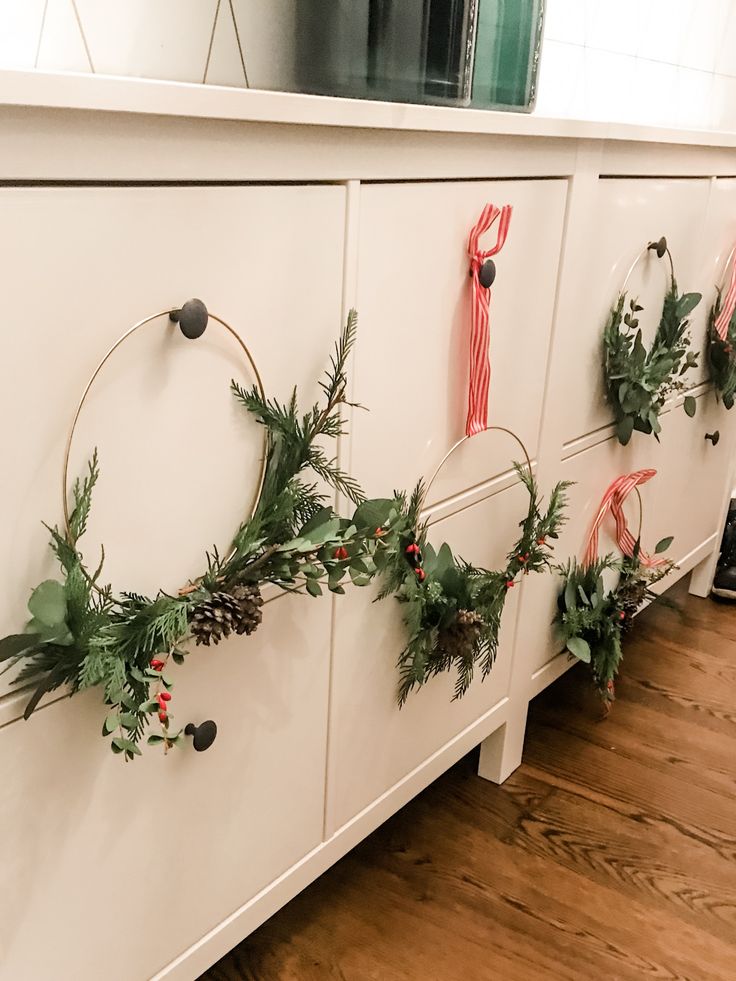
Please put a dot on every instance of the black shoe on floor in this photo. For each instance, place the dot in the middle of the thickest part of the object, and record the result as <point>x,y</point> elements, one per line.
<point>724,581</point>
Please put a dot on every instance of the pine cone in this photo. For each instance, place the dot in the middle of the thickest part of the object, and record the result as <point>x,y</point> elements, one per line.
<point>460,637</point>
<point>225,613</point>
<point>250,602</point>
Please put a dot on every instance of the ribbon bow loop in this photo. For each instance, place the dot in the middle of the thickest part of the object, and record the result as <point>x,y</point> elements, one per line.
<point>729,304</point>
<point>613,501</point>
<point>480,365</point>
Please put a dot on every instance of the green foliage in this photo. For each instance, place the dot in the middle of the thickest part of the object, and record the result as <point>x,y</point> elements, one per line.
<point>451,609</point>
<point>592,619</point>
<point>639,382</point>
<point>722,356</point>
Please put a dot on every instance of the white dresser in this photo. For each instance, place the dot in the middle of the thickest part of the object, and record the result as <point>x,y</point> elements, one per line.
<point>120,198</point>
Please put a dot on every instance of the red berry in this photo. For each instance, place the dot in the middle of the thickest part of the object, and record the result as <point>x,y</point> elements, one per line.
<point>162,716</point>
<point>609,685</point>
<point>156,664</point>
<point>412,549</point>
<point>541,541</point>
<point>165,695</point>
<point>510,584</point>
<point>622,615</point>
<point>340,553</point>
<point>379,532</point>
<point>421,574</point>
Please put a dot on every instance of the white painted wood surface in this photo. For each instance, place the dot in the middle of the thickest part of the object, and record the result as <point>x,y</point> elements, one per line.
<point>312,752</point>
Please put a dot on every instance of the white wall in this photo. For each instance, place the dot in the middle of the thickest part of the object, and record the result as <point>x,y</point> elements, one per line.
<point>179,40</point>
<point>662,62</point>
<point>658,62</point>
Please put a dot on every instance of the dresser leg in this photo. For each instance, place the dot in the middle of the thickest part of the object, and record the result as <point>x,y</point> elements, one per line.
<point>501,752</point>
<point>701,578</point>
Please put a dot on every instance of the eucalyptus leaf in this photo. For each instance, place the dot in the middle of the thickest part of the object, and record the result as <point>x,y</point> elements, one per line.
<point>663,544</point>
<point>373,513</point>
<point>445,560</point>
<point>48,603</point>
<point>316,521</point>
<point>112,721</point>
<point>687,303</point>
<point>624,429</point>
<point>313,588</point>
<point>689,405</point>
<point>580,648</point>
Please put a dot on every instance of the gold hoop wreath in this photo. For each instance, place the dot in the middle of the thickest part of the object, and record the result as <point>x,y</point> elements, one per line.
<point>638,381</point>
<point>81,635</point>
<point>591,619</point>
<point>452,609</point>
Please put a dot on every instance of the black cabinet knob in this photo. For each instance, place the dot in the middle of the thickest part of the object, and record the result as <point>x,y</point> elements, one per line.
<point>487,273</point>
<point>191,318</point>
<point>713,437</point>
<point>202,735</point>
<point>659,247</point>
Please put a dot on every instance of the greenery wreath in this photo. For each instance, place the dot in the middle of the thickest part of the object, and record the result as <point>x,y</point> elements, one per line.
<point>722,355</point>
<point>592,620</point>
<point>638,381</point>
<point>452,609</point>
<point>82,635</point>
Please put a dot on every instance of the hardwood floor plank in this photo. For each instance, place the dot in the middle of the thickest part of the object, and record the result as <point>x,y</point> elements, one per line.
<point>611,852</point>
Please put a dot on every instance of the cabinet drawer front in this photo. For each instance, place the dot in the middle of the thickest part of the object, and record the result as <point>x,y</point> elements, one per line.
<point>179,458</point>
<point>373,743</point>
<point>413,349</point>
<point>628,215</point>
<point>96,852</point>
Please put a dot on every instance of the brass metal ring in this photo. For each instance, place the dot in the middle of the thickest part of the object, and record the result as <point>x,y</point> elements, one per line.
<point>726,266</point>
<point>647,250</point>
<point>446,457</point>
<point>142,323</point>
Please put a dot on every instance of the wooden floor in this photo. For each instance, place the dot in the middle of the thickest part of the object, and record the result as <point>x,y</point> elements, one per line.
<point>611,853</point>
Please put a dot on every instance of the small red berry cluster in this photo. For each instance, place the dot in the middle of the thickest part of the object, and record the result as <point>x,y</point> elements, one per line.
<point>163,697</point>
<point>340,553</point>
<point>414,557</point>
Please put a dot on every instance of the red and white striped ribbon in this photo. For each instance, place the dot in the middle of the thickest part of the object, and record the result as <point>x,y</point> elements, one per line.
<point>728,305</point>
<point>613,501</point>
<point>480,365</point>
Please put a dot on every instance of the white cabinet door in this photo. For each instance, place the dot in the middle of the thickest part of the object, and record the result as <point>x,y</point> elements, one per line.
<point>414,299</point>
<point>113,869</point>
<point>373,743</point>
<point>629,213</point>
<point>179,458</point>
